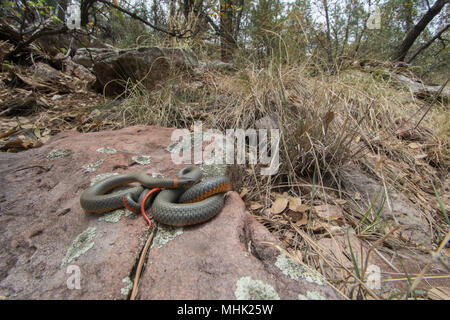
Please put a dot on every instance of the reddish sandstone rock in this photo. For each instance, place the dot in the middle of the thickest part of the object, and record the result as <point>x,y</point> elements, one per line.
<point>46,239</point>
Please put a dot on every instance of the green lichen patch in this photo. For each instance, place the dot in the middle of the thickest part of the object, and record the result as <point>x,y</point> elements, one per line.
<point>112,217</point>
<point>107,150</point>
<point>249,289</point>
<point>295,271</point>
<point>142,160</point>
<point>130,214</point>
<point>93,166</point>
<point>166,234</point>
<point>102,177</point>
<point>129,285</point>
<point>311,295</point>
<point>82,243</point>
<point>57,153</point>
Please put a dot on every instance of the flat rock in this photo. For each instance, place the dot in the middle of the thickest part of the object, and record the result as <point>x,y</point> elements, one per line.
<point>51,249</point>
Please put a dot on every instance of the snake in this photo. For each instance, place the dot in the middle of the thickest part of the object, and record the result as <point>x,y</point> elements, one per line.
<point>184,200</point>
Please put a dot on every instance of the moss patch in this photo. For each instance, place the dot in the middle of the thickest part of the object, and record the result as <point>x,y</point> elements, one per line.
<point>249,289</point>
<point>82,243</point>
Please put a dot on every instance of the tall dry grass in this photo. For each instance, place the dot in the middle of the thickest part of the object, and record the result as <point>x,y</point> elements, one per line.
<point>329,123</point>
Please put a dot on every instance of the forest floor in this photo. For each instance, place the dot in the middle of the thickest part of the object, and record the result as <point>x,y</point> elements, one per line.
<point>363,181</point>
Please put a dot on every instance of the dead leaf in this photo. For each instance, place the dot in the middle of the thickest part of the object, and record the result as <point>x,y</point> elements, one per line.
<point>340,201</point>
<point>329,212</point>
<point>303,221</point>
<point>279,205</point>
<point>37,133</point>
<point>294,204</point>
<point>255,205</point>
<point>414,145</point>
<point>421,156</point>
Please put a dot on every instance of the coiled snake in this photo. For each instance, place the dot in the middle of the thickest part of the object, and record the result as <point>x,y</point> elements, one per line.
<point>185,200</point>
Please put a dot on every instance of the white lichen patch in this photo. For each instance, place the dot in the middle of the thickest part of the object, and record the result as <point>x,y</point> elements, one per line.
<point>166,234</point>
<point>112,217</point>
<point>295,271</point>
<point>129,285</point>
<point>107,150</point>
<point>142,160</point>
<point>311,295</point>
<point>249,289</point>
<point>57,153</point>
<point>93,166</point>
<point>82,243</point>
<point>102,177</point>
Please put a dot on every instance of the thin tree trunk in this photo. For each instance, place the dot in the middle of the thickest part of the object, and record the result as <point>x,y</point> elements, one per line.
<point>226,28</point>
<point>329,46</point>
<point>238,17</point>
<point>412,35</point>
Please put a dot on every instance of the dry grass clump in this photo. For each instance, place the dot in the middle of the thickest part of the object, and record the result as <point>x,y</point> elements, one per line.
<point>328,124</point>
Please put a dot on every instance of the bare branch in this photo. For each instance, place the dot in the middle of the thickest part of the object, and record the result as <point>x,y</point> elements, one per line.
<point>429,42</point>
<point>173,33</point>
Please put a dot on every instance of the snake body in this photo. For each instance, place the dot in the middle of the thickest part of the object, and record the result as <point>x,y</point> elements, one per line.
<point>183,202</point>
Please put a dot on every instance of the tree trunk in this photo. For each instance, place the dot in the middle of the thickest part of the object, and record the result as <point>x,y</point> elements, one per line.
<point>226,27</point>
<point>428,43</point>
<point>84,11</point>
<point>188,4</point>
<point>415,31</point>
<point>327,20</point>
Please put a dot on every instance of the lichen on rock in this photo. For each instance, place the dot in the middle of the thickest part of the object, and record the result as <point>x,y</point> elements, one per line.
<point>82,243</point>
<point>311,295</point>
<point>129,285</point>
<point>91,167</point>
<point>107,150</point>
<point>249,289</point>
<point>295,271</point>
<point>142,160</point>
<point>166,234</point>
<point>57,153</point>
<point>113,216</point>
